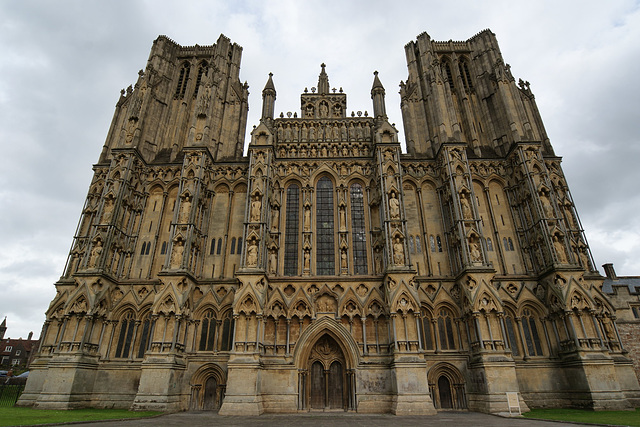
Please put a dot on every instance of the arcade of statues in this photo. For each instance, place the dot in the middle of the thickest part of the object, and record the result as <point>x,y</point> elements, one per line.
<point>327,269</point>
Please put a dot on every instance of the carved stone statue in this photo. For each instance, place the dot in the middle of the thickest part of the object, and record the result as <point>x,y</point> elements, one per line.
<point>95,253</point>
<point>307,259</point>
<point>176,256</point>
<point>256,206</point>
<point>252,254</point>
<point>398,252</point>
<point>394,206</point>
<point>307,218</point>
<point>275,218</point>
<point>476,255</point>
<point>273,261</point>
<point>559,247</point>
<point>343,258</point>
<point>466,207</point>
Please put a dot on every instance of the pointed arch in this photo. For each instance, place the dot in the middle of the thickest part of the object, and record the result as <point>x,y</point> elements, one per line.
<point>335,330</point>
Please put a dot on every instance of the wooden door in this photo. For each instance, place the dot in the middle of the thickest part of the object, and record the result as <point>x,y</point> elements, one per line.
<point>336,389</point>
<point>444,392</point>
<point>210,402</point>
<point>318,389</point>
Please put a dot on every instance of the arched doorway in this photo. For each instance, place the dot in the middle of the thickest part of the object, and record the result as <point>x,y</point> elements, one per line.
<point>208,385</point>
<point>444,392</point>
<point>210,397</point>
<point>327,376</point>
<point>447,387</point>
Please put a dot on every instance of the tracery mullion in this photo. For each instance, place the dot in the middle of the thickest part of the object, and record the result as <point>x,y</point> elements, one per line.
<point>325,247</point>
<point>292,229</point>
<point>358,230</point>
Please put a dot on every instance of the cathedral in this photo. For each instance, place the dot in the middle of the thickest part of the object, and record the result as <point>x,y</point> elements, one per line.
<point>327,269</point>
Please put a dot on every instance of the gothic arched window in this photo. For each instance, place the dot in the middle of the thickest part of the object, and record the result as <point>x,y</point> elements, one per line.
<point>208,332</point>
<point>233,245</point>
<point>127,327</point>
<point>427,334</point>
<point>325,251</point>
<point>531,337</point>
<point>445,330</point>
<point>227,332</point>
<point>489,244</point>
<point>439,242</point>
<point>432,243</point>
<point>359,235</point>
<point>292,228</point>
<point>144,337</point>
<point>511,334</point>
<point>463,67</point>
<point>202,70</point>
<point>212,249</point>
<point>182,81</point>
<point>447,70</point>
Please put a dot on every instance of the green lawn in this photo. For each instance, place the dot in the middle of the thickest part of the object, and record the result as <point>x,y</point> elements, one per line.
<point>621,418</point>
<point>28,416</point>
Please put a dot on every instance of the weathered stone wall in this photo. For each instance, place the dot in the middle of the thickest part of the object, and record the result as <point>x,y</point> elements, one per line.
<point>630,337</point>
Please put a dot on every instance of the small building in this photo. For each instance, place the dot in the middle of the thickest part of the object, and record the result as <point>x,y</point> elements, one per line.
<point>15,354</point>
<point>624,295</point>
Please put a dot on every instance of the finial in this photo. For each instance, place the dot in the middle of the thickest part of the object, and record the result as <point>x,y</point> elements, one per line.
<point>375,73</point>
<point>270,74</point>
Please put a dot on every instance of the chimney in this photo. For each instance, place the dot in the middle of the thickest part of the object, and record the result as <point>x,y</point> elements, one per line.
<point>30,335</point>
<point>609,271</point>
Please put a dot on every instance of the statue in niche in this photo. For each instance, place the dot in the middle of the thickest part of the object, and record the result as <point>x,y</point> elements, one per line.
<point>352,132</point>
<point>546,205</point>
<point>466,207</point>
<point>185,209</point>
<point>343,258</point>
<point>584,258</point>
<point>176,256</point>
<point>324,110</point>
<point>343,219</point>
<point>307,218</point>
<point>108,211</point>
<point>309,111</point>
<point>307,259</point>
<point>252,254</point>
<point>398,252</point>
<point>337,110</point>
<point>95,253</point>
<point>303,133</point>
<point>287,133</point>
<point>378,261</point>
<point>280,133</point>
<point>256,206</point>
<point>312,133</point>
<point>273,261</point>
<point>336,133</point>
<point>474,249</point>
<point>559,247</point>
<point>359,133</point>
<point>343,132</point>
<point>130,130</point>
<point>275,218</point>
<point>394,206</point>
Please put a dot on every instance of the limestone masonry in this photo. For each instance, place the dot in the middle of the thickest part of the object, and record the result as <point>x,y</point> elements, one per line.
<point>327,270</point>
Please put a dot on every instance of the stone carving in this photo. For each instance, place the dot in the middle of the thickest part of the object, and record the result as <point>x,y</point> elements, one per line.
<point>273,261</point>
<point>394,206</point>
<point>95,253</point>
<point>466,207</point>
<point>176,255</point>
<point>256,206</point>
<point>398,251</point>
<point>559,247</point>
<point>275,218</point>
<point>252,253</point>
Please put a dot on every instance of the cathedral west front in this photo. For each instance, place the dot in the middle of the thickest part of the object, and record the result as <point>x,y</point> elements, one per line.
<point>327,269</point>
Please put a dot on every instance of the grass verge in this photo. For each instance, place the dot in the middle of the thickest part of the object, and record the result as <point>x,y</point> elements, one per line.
<point>29,416</point>
<point>620,418</point>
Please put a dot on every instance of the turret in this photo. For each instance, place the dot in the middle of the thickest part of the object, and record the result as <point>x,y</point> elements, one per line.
<point>377,94</point>
<point>268,99</point>
<point>323,81</point>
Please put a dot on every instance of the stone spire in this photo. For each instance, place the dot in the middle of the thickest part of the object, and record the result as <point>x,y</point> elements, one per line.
<point>323,81</point>
<point>377,94</point>
<point>268,99</point>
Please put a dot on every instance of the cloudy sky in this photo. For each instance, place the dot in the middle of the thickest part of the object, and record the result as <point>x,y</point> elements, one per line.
<point>63,63</point>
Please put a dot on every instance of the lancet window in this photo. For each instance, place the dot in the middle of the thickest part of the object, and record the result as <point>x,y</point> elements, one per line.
<point>445,330</point>
<point>325,251</point>
<point>531,336</point>
<point>292,229</point>
<point>182,81</point>
<point>359,236</point>
<point>127,327</point>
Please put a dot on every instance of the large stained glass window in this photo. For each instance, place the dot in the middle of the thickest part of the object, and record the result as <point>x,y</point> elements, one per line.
<point>358,234</point>
<point>291,231</point>
<point>325,251</point>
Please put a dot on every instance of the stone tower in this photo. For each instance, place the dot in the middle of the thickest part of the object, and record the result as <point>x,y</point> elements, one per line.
<point>327,269</point>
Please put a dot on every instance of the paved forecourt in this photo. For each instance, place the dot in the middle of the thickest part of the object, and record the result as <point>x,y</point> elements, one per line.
<point>196,419</point>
